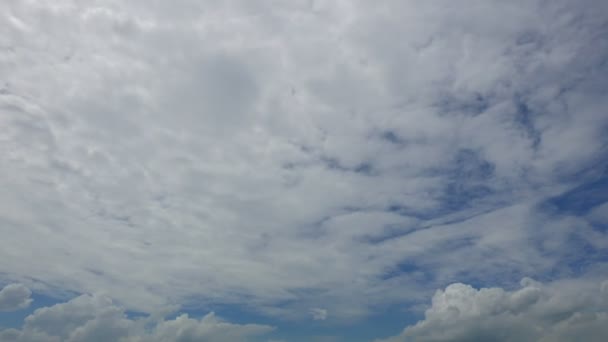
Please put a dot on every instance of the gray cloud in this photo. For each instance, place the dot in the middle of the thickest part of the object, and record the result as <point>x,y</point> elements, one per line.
<point>569,311</point>
<point>14,297</point>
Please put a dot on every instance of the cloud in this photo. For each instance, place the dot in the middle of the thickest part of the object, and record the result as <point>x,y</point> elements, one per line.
<point>569,311</point>
<point>335,154</point>
<point>318,314</point>
<point>96,318</point>
<point>14,297</point>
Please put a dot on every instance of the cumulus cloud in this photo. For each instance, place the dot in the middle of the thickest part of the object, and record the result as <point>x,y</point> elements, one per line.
<point>337,154</point>
<point>14,297</point>
<point>535,312</point>
<point>94,318</point>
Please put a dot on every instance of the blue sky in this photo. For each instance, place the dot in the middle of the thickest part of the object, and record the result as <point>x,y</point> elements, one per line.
<point>303,170</point>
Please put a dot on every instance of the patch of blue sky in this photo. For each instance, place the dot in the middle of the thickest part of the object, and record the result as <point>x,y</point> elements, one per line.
<point>420,272</point>
<point>365,168</point>
<point>469,178</point>
<point>524,117</point>
<point>468,104</point>
<point>385,321</point>
<point>392,137</point>
<point>582,198</point>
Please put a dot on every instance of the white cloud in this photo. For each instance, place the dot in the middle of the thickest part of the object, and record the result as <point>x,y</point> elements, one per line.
<point>569,311</point>
<point>161,151</point>
<point>14,297</point>
<point>318,314</point>
<point>94,318</point>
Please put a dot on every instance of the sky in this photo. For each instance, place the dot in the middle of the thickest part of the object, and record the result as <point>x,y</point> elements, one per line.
<point>303,170</point>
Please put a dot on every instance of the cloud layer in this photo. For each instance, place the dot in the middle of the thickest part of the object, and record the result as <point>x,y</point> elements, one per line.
<point>282,156</point>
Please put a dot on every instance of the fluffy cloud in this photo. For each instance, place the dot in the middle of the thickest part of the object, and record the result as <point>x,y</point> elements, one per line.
<point>570,311</point>
<point>14,297</point>
<point>301,154</point>
<point>95,318</point>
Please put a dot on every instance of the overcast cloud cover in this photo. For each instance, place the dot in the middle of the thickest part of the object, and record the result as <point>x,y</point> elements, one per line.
<point>308,163</point>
